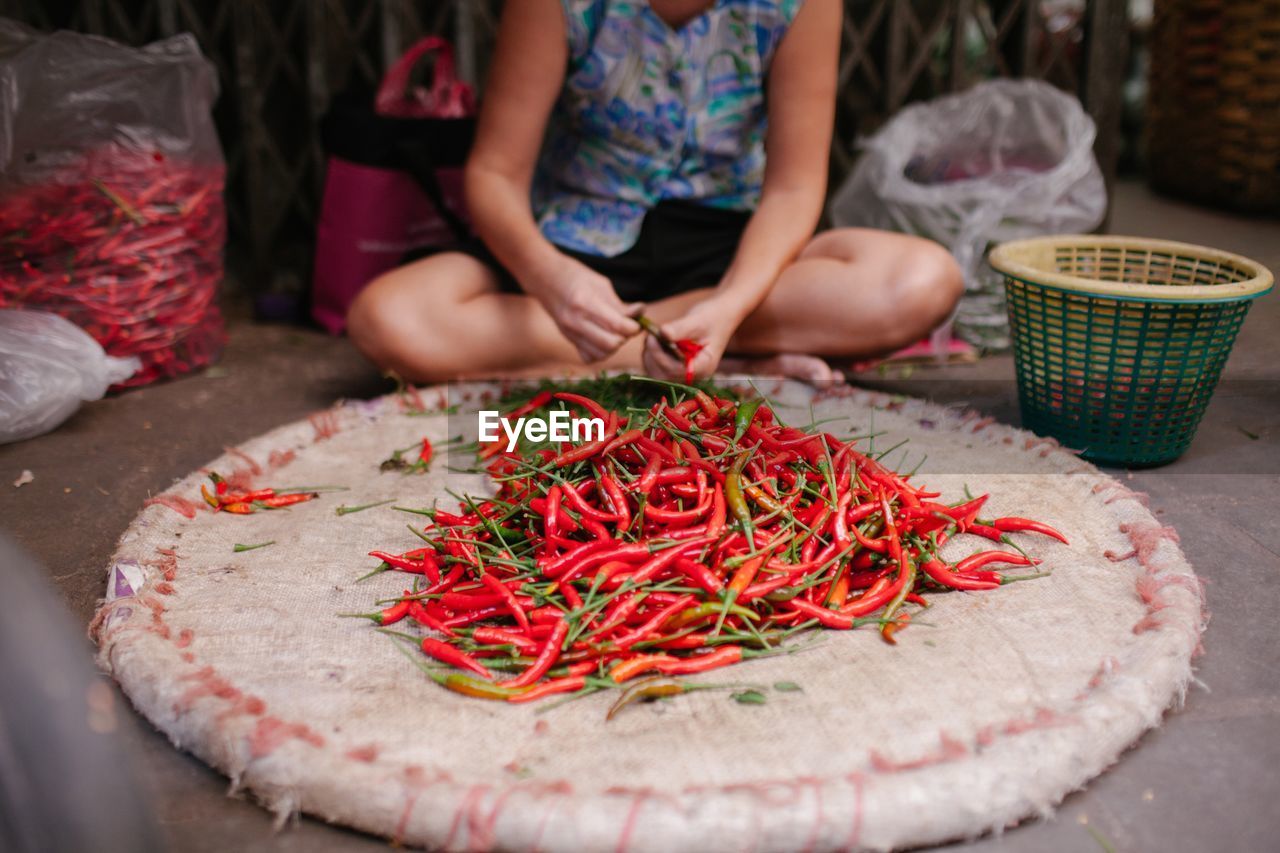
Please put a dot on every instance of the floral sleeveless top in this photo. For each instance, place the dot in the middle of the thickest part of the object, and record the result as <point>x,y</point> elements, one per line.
<point>649,112</point>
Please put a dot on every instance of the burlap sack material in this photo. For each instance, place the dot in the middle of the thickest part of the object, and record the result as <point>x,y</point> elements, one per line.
<point>991,708</point>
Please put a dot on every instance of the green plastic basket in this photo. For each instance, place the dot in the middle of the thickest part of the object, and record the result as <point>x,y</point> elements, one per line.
<point>1118,341</point>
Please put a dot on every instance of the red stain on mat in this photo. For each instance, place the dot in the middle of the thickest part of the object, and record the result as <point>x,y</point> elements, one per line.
<point>949,750</point>
<point>464,811</point>
<point>180,505</point>
<point>483,827</point>
<point>254,468</point>
<point>629,825</point>
<point>1146,538</point>
<point>167,564</point>
<point>240,480</point>
<point>280,458</point>
<point>1042,718</point>
<point>415,781</point>
<point>185,636</point>
<point>558,791</point>
<point>272,732</point>
<point>411,400</point>
<point>855,828</point>
<point>207,683</point>
<point>366,754</point>
<point>325,424</point>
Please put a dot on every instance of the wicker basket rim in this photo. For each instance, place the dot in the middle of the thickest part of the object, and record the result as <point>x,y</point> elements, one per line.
<point>1032,260</point>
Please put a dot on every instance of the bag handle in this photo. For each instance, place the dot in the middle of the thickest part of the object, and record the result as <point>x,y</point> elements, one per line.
<point>393,93</point>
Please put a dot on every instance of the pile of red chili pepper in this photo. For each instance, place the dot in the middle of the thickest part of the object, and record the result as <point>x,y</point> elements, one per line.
<point>127,245</point>
<point>698,532</point>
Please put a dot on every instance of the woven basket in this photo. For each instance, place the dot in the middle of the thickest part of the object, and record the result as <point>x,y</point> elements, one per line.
<point>1213,111</point>
<point>1118,341</point>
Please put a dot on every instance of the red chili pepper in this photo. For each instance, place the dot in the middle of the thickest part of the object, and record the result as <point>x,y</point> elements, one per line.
<point>551,521</point>
<point>446,653</point>
<point>983,558</point>
<point>539,400</point>
<point>279,501</point>
<point>578,503</point>
<point>645,482</point>
<point>629,669</point>
<point>1014,524</point>
<point>986,531</point>
<point>700,574</point>
<point>689,350</point>
<point>596,410</point>
<point>424,456</point>
<point>420,614</point>
<point>723,656</point>
<point>509,598</point>
<point>568,684</point>
<point>247,497</point>
<point>389,616</point>
<point>491,636</point>
<point>940,573</point>
<point>414,565</point>
<point>617,500</point>
<point>546,657</point>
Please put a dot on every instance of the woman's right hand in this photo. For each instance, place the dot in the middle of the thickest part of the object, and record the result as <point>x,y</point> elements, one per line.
<point>587,310</point>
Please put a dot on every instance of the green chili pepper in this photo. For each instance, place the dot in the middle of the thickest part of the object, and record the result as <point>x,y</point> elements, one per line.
<point>468,686</point>
<point>734,496</point>
<point>888,626</point>
<point>742,420</point>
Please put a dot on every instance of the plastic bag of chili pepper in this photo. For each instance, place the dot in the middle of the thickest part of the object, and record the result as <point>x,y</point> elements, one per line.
<point>111,178</point>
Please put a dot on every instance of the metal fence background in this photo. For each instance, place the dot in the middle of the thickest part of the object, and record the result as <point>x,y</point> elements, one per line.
<point>280,61</point>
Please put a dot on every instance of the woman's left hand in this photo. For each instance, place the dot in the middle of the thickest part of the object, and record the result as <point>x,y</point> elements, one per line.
<point>710,323</point>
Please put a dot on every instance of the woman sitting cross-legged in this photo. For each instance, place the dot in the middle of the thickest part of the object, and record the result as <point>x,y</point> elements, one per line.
<point>664,156</point>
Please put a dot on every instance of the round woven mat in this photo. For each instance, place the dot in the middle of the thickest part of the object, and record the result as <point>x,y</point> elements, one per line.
<point>991,708</point>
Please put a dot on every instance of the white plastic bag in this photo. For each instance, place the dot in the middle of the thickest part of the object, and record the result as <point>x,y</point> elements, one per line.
<point>48,365</point>
<point>1002,160</point>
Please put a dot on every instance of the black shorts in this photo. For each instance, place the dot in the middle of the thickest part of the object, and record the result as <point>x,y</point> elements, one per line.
<point>682,246</point>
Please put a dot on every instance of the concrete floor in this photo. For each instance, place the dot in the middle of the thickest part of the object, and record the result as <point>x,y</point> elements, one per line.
<point>1206,780</point>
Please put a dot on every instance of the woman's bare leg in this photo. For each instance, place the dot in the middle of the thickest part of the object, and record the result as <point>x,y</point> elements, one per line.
<point>444,318</point>
<point>852,293</point>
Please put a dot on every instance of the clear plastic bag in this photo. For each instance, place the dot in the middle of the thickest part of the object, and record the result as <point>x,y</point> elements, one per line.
<point>1002,160</point>
<point>48,367</point>
<point>111,179</point>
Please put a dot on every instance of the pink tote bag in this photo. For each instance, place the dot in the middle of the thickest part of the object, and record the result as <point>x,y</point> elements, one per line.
<point>393,179</point>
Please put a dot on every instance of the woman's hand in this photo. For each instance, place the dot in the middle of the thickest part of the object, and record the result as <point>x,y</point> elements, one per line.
<point>711,323</point>
<point>587,310</point>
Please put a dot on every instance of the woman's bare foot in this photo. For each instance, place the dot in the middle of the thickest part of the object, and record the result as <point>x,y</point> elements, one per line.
<point>806,368</point>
